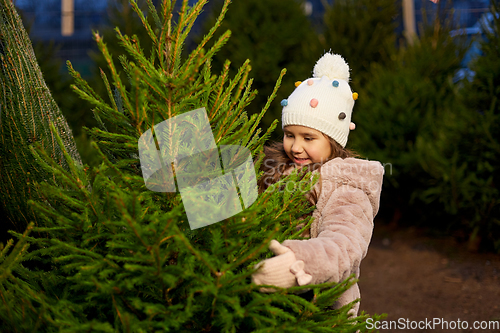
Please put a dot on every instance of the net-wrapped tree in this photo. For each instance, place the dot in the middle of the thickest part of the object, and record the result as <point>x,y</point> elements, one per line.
<point>119,256</point>
<point>26,109</point>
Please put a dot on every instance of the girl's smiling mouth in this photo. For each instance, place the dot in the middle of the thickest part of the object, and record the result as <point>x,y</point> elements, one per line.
<point>300,160</point>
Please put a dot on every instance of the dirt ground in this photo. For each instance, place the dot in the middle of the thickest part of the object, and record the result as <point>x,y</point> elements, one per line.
<point>412,278</point>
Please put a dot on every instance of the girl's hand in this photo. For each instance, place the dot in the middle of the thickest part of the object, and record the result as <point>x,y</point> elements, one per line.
<point>283,271</point>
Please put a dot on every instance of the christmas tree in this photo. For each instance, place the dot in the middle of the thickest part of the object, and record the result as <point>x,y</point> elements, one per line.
<point>113,251</point>
<point>364,31</point>
<point>464,154</point>
<point>26,110</point>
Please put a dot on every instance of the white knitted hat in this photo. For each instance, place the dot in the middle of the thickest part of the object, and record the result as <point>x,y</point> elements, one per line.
<point>323,102</point>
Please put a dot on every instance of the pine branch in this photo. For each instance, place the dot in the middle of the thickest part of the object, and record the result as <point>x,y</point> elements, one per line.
<point>269,100</point>
<point>150,31</point>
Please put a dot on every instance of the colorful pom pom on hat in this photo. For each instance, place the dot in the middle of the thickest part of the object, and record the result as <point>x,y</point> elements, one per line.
<point>323,102</point>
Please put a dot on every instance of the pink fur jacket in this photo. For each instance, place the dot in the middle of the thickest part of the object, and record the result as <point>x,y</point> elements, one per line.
<point>348,195</point>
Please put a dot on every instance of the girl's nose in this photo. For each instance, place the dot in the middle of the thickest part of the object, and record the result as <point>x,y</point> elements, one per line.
<point>296,148</point>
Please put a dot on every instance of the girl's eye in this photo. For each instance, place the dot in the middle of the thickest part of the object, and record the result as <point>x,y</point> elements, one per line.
<point>308,139</point>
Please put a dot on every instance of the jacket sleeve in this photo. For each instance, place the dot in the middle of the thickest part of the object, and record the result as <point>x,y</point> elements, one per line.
<point>343,237</point>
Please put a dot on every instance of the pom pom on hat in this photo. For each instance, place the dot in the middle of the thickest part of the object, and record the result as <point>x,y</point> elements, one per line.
<point>333,66</point>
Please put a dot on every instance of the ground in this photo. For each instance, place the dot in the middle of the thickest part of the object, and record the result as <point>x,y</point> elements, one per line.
<point>414,277</point>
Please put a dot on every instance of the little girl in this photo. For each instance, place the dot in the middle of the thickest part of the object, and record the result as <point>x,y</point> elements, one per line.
<point>316,120</point>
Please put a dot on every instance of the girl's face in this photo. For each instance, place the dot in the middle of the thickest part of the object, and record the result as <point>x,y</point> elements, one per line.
<point>305,145</point>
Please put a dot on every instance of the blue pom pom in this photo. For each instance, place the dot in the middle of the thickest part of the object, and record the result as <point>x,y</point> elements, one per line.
<point>335,83</point>
<point>284,102</point>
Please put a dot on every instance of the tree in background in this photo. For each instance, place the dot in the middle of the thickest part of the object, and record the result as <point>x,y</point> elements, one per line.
<point>118,256</point>
<point>404,102</point>
<point>363,32</point>
<point>462,155</point>
<point>272,34</point>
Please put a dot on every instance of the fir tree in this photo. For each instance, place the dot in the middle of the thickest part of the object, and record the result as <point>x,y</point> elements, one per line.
<point>121,257</point>
<point>363,31</point>
<point>410,99</point>
<point>26,109</point>
<point>462,156</point>
<point>119,15</point>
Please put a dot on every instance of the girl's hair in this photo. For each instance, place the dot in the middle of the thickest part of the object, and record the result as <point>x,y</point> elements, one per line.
<point>276,162</point>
